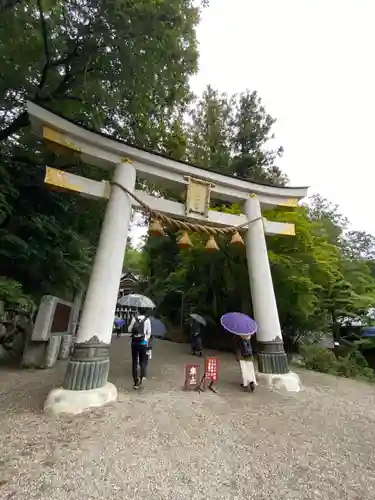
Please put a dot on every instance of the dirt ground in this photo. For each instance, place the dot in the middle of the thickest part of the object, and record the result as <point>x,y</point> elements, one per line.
<point>164,443</point>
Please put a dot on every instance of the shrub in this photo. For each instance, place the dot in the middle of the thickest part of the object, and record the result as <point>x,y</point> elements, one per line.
<point>11,293</point>
<point>353,365</point>
<point>319,359</point>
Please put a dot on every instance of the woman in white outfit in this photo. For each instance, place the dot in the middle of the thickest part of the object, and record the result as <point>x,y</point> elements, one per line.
<point>244,355</point>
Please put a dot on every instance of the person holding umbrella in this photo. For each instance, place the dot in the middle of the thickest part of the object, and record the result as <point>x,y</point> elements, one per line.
<point>140,330</point>
<point>196,324</point>
<point>244,355</point>
<point>141,333</point>
<point>118,324</point>
<point>242,327</point>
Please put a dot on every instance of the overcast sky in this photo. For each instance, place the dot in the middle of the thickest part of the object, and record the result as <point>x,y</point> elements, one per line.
<point>312,62</point>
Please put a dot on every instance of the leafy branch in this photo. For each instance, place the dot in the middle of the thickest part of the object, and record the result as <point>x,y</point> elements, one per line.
<point>59,92</point>
<point>43,27</point>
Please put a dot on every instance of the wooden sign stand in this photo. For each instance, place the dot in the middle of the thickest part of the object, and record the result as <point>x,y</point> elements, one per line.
<point>202,386</point>
<point>210,376</point>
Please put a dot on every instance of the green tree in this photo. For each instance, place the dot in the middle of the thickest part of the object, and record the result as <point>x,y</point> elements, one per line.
<point>359,245</point>
<point>86,60</point>
<point>333,223</point>
<point>251,134</point>
<point>134,260</point>
<point>349,290</point>
<point>232,134</point>
<point>210,130</point>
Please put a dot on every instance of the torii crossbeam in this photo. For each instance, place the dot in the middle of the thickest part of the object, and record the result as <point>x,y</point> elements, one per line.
<point>85,384</point>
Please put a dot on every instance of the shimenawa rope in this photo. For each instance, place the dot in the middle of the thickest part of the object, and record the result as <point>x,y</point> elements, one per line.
<point>182,225</point>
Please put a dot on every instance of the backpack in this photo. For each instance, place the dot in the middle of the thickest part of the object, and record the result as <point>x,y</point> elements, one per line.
<point>138,333</point>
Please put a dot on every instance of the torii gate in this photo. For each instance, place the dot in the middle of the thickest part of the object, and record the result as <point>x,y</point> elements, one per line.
<point>85,384</point>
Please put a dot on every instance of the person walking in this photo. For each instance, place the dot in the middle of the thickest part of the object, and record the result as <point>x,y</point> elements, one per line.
<point>196,337</point>
<point>244,356</point>
<point>118,324</point>
<point>140,330</point>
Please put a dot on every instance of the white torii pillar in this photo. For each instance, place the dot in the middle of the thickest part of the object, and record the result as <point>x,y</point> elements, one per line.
<point>272,359</point>
<point>85,384</point>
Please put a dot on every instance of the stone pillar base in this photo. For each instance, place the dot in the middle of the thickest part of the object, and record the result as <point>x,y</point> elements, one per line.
<point>63,401</point>
<point>88,367</point>
<point>289,382</point>
<point>272,357</point>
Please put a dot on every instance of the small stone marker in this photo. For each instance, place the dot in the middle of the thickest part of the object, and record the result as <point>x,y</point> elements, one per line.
<point>192,377</point>
<point>65,346</point>
<point>52,350</point>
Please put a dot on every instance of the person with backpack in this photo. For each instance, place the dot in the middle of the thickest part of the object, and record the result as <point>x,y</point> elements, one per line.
<point>140,330</point>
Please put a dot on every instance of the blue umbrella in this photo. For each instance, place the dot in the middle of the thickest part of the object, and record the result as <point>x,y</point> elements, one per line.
<point>368,332</point>
<point>120,323</point>
<point>158,328</point>
<point>238,324</point>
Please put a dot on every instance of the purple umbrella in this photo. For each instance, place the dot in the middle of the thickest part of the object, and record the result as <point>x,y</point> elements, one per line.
<point>238,323</point>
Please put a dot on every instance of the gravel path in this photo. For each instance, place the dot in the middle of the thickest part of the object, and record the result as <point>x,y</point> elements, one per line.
<point>163,443</point>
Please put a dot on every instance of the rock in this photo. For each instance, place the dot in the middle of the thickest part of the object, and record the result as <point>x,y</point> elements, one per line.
<point>52,351</point>
<point>63,401</point>
<point>34,355</point>
<point>3,331</point>
<point>22,322</point>
<point>18,343</point>
<point>5,355</point>
<point>298,360</point>
<point>28,331</point>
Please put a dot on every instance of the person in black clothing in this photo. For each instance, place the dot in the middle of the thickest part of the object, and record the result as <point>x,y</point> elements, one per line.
<point>118,328</point>
<point>196,337</point>
<point>140,329</point>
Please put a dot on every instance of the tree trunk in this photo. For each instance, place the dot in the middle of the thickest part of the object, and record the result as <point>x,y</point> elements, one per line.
<point>335,334</point>
<point>335,327</point>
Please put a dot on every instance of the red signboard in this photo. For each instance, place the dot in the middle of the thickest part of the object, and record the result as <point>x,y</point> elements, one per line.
<point>192,377</point>
<point>212,369</point>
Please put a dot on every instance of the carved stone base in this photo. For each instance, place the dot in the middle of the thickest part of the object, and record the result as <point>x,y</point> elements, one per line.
<point>62,401</point>
<point>289,382</point>
<point>272,357</point>
<point>88,367</point>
